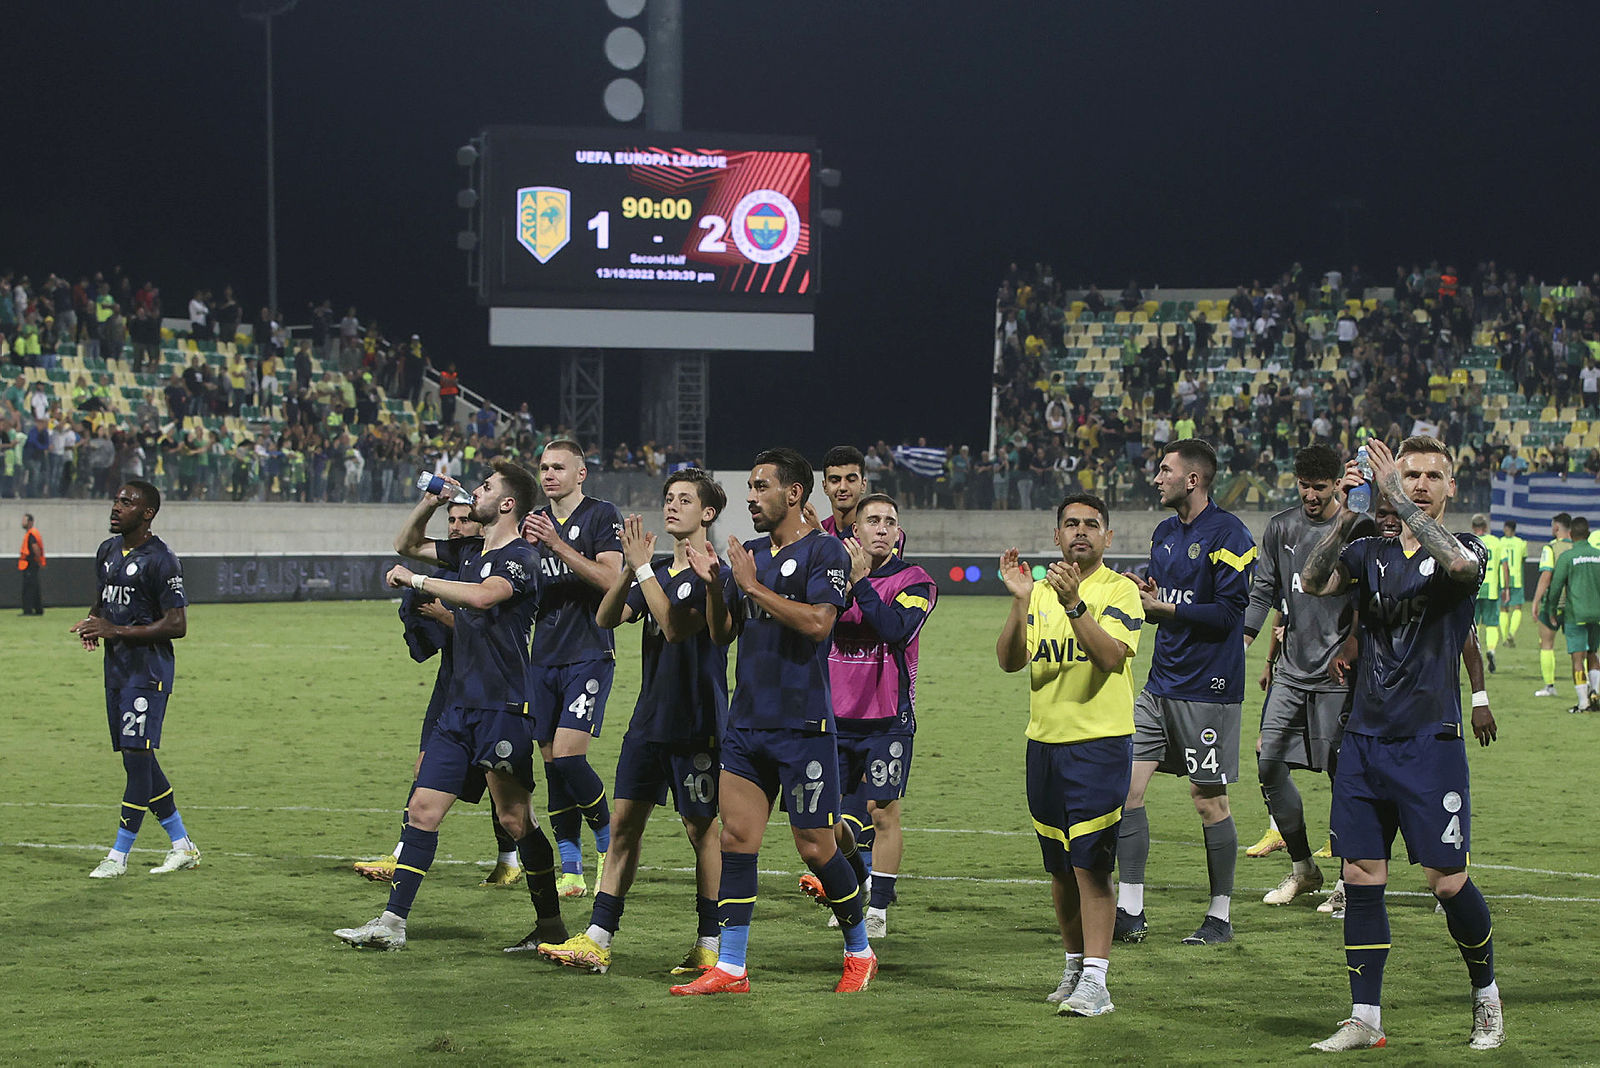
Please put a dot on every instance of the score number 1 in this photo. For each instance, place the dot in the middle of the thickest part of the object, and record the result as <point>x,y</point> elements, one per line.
<point>715,227</point>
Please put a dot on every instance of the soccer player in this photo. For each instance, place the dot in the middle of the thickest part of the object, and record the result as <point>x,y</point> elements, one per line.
<point>1076,632</point>
<point>779,736</point>
<point>141,609</point>
<point>1186,719</point>
<point>873,672</point>
<point>672,741</point>
<point>1487,611</point>
<point>844,480</point>
<point>574,658</point>
<point>428,628</point>
<point>1403,763</point>
<point>486,722</point>
<point>1547,614</point>
<point>1515,552</point>
<point>1575,584</point>
<point>1304,711</point>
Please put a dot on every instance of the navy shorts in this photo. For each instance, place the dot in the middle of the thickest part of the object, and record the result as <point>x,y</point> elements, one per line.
<point>469,742</point>
<point>1417,786</point>
<point>646,771</point>
<point>875,766</point>
<point>134,717</point>
<point>571,695</point>
<point>1075,795</point>
<point>801,765</point>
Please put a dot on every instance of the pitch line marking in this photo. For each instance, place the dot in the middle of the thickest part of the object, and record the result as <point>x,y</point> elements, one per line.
<point>770,872</point>
<point>475,811</point>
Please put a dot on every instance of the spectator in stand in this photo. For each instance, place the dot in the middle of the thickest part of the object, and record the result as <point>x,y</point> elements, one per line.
<point>449,391</point>
<point>349,341</point>
<point>1095,300</point>
<point>226,315</point>
<point>199,316</point>
<point>1589,379</point>
<point>1132,296</point>
<point>1000,479</point>
<point>1346,331</point>
<point>1239,331</point>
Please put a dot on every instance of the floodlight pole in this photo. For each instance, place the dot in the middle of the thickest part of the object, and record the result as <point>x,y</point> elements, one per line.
<point>663,66</point>
<point>265,12</point>
<point>272,187</point>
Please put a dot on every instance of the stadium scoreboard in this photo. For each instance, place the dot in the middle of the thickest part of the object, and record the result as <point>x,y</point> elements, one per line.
<point>634,239</point>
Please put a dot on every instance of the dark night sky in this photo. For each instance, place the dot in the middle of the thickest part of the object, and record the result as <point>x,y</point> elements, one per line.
<point>1187,144</point>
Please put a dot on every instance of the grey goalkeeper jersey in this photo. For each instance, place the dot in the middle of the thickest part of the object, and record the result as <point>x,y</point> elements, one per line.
<point>1314,627</point>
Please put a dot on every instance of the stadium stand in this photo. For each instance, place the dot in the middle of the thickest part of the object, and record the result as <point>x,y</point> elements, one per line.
<point>1504,369</point>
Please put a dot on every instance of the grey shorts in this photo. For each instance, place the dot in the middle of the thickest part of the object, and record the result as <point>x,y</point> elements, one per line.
<point>1199,739</point>
<point>1302,728</point>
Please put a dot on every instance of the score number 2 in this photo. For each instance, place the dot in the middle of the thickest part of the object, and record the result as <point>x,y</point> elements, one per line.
<point>715,226</point>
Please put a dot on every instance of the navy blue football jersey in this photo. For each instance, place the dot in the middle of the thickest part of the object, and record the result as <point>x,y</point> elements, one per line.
<point>138,586</point>
<point>1203,569</point>
<point>490,646</point>
<point>781,676</point>
<point>1414,621</point>
<point>565,631</point>
<point>683,689</point>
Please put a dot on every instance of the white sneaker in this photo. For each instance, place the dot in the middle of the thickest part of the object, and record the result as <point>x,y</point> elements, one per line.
<point>177,860</point>
<point>375,933</point>
<point>1488,1025</point>
<point>877,923</point>
<point>1547,691</point>
<point>109,869</point>
<point>1334,903</point>
<point>1293,886</point>
<point>1090,999</point>
<point>1352,1034</point>
<point>1069,983</point>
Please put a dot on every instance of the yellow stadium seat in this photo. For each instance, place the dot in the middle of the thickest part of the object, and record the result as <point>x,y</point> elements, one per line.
<point>1460,377</point>
<point>1124,318</point>
<point>1573,441</point>
<point>1549,414</point>
<point>1151,307</point>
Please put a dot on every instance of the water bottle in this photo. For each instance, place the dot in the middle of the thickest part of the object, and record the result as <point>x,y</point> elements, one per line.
<point>432,483</point>
<point>1360,497</point>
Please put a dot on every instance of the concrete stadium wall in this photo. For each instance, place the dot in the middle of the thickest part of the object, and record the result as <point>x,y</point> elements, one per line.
<point>76,528</point>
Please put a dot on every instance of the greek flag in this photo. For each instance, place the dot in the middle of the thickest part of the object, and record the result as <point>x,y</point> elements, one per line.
<point>929,463</point>
<point>1532,499</point>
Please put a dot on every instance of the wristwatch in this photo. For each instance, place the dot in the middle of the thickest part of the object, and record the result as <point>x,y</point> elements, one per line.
<point>1074,613</point>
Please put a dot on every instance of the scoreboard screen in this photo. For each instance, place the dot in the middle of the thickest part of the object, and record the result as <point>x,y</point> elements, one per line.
<point>631,219</point>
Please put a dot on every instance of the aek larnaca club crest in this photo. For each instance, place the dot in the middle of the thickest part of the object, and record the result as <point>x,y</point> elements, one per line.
<point>542,225</point>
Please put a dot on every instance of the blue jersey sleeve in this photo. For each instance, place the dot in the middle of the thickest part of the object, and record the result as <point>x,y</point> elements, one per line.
<point>1232,560</point>
<point>829,573</point>
<point>1354,558</point>
<point>607,529</point>
<point>516,564</point>
<point>898,621</point>
<point>168,582</point>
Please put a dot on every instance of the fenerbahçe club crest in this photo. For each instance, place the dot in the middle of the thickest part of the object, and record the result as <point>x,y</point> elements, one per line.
<point>542,224</point>
<point>766,226</point>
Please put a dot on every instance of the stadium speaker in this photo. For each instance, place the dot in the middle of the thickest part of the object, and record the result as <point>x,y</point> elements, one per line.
<point>466,155</point>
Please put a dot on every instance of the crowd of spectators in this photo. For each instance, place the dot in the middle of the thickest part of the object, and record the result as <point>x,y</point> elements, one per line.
<point>270,418</point>
<point>308,425</point>
<point>1395,359</point>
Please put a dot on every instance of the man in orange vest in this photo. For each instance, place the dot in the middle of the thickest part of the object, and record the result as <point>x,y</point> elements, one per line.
<point>449,390</point>
<point>30,562</point>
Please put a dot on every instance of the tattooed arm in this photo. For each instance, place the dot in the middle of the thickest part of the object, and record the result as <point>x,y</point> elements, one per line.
<point>1324,574</point>
<point>1459,563</point>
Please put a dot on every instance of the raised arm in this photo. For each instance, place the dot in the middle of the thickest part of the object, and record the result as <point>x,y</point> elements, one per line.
<point>413,542</point>
<point>1011,649</point>
<point>1459,562</point>
<point>812,621</point>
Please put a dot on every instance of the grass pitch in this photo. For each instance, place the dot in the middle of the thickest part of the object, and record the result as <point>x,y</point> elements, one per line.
<point>290,741</point>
